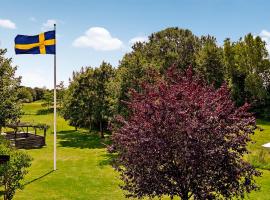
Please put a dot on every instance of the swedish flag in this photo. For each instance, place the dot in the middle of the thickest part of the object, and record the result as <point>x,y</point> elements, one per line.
<point>44,43</point>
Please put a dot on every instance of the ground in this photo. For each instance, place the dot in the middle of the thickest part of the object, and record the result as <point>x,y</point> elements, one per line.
<point>83,165</point>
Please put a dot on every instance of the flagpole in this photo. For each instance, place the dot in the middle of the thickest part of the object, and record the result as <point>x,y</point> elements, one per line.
<point>54,125</point>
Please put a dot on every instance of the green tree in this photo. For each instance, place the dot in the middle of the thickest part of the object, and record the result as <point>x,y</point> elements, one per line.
<point>246,61</point>
<point>102,77</point>
<point>209,61</point>
<point>89,98</point>
<point>39,93</point>
<point>25,95</point>
<point>172,46</point>
<point>71,110</point>
<point>60,93</point>
<point>10,109</point>
<point>13,172</point>
<point>48,99</point>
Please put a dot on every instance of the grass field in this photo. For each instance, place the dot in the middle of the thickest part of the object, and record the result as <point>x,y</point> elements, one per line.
<point>83,165</point>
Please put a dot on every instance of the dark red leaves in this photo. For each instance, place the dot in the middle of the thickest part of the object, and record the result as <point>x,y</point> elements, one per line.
<point>184,138</point>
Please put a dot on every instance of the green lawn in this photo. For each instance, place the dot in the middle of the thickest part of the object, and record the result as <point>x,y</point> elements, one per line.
<point>83,168</point>
<point>83,165</point>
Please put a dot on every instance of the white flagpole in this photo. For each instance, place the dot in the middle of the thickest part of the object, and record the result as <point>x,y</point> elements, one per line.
<point>54,125</point>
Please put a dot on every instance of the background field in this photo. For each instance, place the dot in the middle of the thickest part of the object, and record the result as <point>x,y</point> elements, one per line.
<point>83,165</point>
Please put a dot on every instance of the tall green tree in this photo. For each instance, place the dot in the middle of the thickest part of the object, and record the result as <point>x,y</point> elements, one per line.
<point>209,61</point>
<point>172,46</point>
<point>10,109</point>
<point>73,101</point>
<point>89,98</point>
<point>246,63</point>
<point>102,77</point>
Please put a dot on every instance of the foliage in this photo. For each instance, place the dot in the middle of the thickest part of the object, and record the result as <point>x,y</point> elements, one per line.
<point>102,77</point>
<point>10,109</point>
<point>25,95</point>
<point>48,99</point>
<point>209,62</point>
<point>60,89</point>
<point>88,99</point>
<point>244,65</point>
<point>247,64</point>
<point>14,171</point>
<point>39,93</point>
<point>184,138</point>
<point>172,46</point>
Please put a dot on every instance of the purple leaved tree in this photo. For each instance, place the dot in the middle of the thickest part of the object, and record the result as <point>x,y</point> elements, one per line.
<point>184,138</point>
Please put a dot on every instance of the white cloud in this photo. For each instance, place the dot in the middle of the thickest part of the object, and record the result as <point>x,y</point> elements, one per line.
<point>6,23</point>
<point>99,39</point>
<point>265,35</point>
<point>48,25</point>
<point>138,39</point>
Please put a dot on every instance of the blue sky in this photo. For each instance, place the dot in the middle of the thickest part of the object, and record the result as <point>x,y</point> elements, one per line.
<point>89,32</point>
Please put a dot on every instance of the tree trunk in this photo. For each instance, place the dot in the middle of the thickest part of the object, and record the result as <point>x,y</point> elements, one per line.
<point>101,129</point>
<point>90,124</point>
<point>184,196</point>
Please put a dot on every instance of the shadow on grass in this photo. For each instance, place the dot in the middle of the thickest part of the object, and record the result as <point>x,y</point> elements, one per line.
<point>38,178</point>
<point>108,159</point>
<point>80,139</point>
<point>44,111</point>
<point>263,122</point>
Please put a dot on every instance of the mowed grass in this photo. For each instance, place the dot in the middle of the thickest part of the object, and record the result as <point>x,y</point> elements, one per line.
<point>83,165</point>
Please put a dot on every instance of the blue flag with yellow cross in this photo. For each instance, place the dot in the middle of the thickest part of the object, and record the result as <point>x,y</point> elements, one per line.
<point>44,43</point>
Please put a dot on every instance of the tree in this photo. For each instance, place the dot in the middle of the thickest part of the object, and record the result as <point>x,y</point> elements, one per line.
<point>79,99</point>
<point>171,46</point>
<point>25,95</point>
<point>39,93</point>
<point>184,138</point>
<point>209,61</point>
<point>10,109</point>
<point>246,60</point>
<point>48,99</point>
<point>102,76</point>
<point>60,89</point>
<point>89,98</point>
<point>14,171</point>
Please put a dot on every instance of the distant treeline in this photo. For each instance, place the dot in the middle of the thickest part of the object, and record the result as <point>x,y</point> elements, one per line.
<point>28,94</point>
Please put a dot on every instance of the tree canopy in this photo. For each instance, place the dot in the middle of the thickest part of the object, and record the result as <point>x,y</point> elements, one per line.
<point>243,65</point>
<point>184,138</point>
<point>88,101</point>
<point>13,172</point>
<point>10,109</point>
